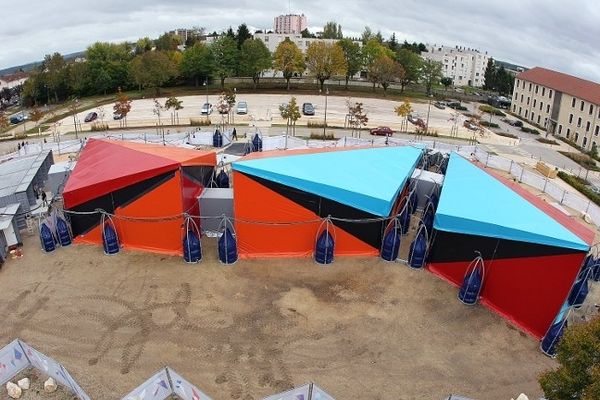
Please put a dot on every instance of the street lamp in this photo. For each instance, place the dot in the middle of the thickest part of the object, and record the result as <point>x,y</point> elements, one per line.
<point>428,111</point>
<point>205,84</point>
<point>325,122</point>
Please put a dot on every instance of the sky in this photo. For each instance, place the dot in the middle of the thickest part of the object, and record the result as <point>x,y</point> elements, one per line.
<point>555,34</point>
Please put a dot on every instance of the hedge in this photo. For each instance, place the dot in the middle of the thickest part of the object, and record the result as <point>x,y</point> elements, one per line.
<point>489,124</point>
<point>580,185</point>
<point>530,130</point>
<point>491,110</point>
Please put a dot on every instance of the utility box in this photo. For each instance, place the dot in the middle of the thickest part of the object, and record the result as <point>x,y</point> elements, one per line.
<point>215,202</point>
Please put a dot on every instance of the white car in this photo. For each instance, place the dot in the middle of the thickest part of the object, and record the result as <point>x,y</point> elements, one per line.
<point>207,109</point>
<point>242,107</point>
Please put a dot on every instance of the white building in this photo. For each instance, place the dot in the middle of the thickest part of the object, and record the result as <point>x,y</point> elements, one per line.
<point>272,40</point>
<point>12,80</point>
<point>465,66</point>
<point>289,24</point>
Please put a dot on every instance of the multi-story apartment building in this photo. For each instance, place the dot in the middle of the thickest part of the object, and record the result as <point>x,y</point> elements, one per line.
<point>289,24</point>
<point>465,66</point>
<point>272,40</point>
<point>562,104</point>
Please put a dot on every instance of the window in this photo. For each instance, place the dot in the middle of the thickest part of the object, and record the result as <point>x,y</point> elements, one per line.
<point>559,129</point>
<point>534,101</point>
<point>573,102</point>
<point>548,108</point>
<point>520,110</point>
<point>587,126</point>
<point>527,100</point>
<point>541,106</point>
<point>568,132</point>
<point>530,87</point>
<point>521,98</point>
<point>532,115</point>
<point>514,108</point>
<point>550,93</point>
<point>543,91</point>
<point>597,130</point>
<point>570,118</point>
<point>581,106</point>
<point>579,122</point>
<point>584,141</point>
<point>525,113</point>
<point>591,109</point>
<point>536,89</point>
<point>576,136</point>
<point>538,120</point>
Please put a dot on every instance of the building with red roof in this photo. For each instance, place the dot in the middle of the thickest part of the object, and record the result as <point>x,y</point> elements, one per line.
<point>561,104</point>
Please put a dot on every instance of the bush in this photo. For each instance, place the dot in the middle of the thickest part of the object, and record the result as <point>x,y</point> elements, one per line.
<point>489,124</point>
<point>581,185</point>
<point>320,136</point>
<point>529,130</point>
<point>582,159</point>
<point>316,124</point>
<point>469,115</point>
<point>99,127</point>
<point>200,121</point>
<point>491,110</point>
<point>508,135</point>
<point>461,108</point>
<point>546,141</point>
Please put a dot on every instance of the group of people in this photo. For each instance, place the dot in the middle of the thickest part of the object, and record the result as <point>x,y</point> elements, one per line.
<point>39,192</point>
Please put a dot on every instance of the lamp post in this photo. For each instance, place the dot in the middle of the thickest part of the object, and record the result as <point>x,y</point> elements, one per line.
<point>325,122</point>
<point>428,111</point>
<point>205,84</point>
<point>233,113</point>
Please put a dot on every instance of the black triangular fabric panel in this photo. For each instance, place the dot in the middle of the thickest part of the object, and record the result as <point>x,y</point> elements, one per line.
<point>82,223</point>
<point>455,247</point>
<point>370,233</point>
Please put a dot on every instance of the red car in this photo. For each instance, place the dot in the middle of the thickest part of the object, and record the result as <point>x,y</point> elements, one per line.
<point>382,131</point>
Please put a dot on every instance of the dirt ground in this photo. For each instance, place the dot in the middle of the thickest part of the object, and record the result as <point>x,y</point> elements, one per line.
<point>359,328</point>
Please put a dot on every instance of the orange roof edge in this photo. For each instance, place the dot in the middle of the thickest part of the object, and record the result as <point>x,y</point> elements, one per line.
<point>186,157</point>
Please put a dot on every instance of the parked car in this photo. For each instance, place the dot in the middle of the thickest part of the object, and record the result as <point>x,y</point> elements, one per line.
<point>470,126</point>
<point>414,119</point>
<point>117,116</point>
<point>382,131</point>
<point>453,104</point>
<point>513,122</point>
<point>91,116</point>
<point>242,107</point>
<point>207,109</point>
<point>439,104</point>
<point>17,119</point>
<point>308,109</point>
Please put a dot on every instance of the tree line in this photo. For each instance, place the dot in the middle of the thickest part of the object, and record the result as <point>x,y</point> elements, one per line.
<point>166,61</point>
<point>498,78</point>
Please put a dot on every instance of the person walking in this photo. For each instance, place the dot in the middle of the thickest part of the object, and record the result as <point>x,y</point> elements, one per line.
<point>44,198</point>
<point>234,134</point>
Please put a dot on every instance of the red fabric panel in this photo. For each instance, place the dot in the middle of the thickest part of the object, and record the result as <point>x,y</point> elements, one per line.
<point>179,154</point>
<point>527,291</point>
<point>254,202</point>
<point>104,167</point>
<point>567,221</point>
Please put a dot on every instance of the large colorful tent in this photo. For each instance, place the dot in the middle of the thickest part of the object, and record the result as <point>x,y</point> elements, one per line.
<point>281,198</point>
<point>146,187</point>
<point>532,251</point>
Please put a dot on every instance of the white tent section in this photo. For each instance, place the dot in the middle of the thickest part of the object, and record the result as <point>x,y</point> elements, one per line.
<point>165,383</point>
<point>310,391</point>
<point>18,355</point>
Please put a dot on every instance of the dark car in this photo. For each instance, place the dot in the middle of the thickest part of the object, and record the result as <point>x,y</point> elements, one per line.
<point>382,131</point>
<point>16,119</point>
<point>308,109</point>
<point>91,117</point>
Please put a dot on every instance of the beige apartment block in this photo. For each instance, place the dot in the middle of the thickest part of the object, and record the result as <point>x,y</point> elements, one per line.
<point>465,66</point>
<point>560,104</point>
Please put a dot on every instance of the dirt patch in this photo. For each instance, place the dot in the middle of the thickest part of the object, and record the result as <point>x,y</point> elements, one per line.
<point>359,328</point>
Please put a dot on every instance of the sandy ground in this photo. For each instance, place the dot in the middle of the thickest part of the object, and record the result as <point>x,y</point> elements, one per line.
<point>360,328</point>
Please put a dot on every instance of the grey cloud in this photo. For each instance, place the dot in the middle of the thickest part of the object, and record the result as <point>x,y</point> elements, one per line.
<point>555,34</point>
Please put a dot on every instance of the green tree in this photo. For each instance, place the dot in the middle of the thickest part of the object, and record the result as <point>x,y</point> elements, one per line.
<point>490,75</point>
<point>404,111</point>
<point>54,69</point>
<point>358,117</point>
<point>446,81</point>
<point>111,58</point>
<point>152,70</point>
<point>230,33</point>
<point>167,42</point>
<point>197,63</point>
<point>291,113</point>
<point>367,35</point>
<point>411,63</point>
<point>79,78</point>
<point>371,51</point>
<point>393,43</point>
<point>3,121</point>
<point>255,58</point>
<point>504,81</point>
<point>242,35</point>
<point>306,34</point>
<point>173,103</point>
<point>225,53</point>
<point>384,71</point>
<point>325,60</point>
<point>143,45</point>
<point>431,73</point>
<point>103,81</point>
<point>332,30</point>
<point>288,59</point>
<point>578,356</point>
<point>353,57</point>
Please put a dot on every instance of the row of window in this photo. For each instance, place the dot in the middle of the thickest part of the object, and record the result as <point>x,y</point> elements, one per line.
<point>541,105</point>
<point>536,88</point>
<point>582,106</point>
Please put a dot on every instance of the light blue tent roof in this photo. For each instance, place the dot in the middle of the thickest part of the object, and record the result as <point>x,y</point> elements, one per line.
<point>474,202</point>
<point>366,179</point>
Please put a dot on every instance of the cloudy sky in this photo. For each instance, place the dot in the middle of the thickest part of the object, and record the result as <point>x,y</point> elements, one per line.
<point>557,34</point>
